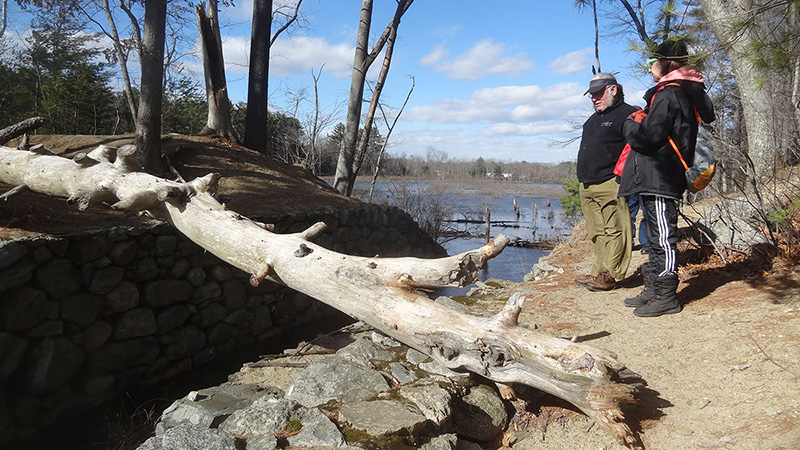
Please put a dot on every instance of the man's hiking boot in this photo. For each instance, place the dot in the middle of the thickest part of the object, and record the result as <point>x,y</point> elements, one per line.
<point>602,282</point>
<point>665,301</point>
<point>584,280</point>
<point>649,292</point>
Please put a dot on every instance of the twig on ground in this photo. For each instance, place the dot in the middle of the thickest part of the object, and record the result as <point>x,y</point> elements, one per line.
<point>769,358</point>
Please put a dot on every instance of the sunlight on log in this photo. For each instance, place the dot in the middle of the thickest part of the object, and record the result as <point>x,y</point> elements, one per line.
<point>382,292</point>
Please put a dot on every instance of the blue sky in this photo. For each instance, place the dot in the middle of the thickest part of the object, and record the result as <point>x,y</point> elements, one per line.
<point>497,82</point>
<point>501,80</point>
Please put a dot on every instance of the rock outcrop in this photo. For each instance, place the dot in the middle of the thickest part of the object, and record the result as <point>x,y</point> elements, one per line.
<point>372,392</point>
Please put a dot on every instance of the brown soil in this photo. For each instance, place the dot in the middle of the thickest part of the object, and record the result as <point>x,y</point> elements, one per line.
<point>251,184</point>
<point>724,373</point>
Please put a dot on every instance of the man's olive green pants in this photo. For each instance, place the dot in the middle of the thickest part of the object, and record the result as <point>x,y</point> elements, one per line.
<point>608,224</point>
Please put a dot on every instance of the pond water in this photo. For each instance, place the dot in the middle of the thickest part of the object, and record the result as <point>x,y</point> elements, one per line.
<point>539,219</point>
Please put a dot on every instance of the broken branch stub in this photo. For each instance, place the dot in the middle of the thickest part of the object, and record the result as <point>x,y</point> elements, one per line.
<point>382,292</point>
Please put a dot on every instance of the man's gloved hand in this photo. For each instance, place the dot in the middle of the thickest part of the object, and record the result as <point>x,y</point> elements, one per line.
<point>637,116</point>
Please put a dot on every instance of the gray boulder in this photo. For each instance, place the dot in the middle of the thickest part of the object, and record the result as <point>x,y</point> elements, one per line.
<point>363,351</point>
<point>265,416</point>
<point>209,407</point>
<point>732,224</point>
<point>316,430</point>
<point>381,418</point>
<point>187,436</point>
<point>480,415</point>
<point>431,400</point>
<point>334,378</point>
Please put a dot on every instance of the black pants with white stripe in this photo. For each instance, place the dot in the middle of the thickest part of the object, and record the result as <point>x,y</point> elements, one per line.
<point>661,219</point>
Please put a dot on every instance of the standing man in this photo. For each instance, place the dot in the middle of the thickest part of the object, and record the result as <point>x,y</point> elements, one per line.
<point>607,218</point>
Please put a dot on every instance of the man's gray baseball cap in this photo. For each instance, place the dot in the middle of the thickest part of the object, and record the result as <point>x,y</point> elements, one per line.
<point>600,81</point>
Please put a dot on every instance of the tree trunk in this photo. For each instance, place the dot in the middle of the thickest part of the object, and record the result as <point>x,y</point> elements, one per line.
<point>347,154</point>
<point>363,145</point>
<point>148,121</point>
<point>596,36</point>
<point>752,81</point>
<point>255,127</point>
<point>345,178</point>
<point>122,60</point>
<point>794,22</point>
<point>4,18</point>
<point>219,113</point>
<point>380,292</point>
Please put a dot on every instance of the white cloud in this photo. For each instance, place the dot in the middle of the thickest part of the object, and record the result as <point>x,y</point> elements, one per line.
<point>485,58</point>
<point>298,55</point>
<point>572,62</point>
<point>507,122</point>
<point>437,54</point>
<point>547,127</point>
<point>243,12</point>
<point>506,104</point>
<point>448,30</point>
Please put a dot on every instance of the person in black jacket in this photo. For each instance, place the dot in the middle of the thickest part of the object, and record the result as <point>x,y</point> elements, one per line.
<point>654,171</point>
<point>606,215</point>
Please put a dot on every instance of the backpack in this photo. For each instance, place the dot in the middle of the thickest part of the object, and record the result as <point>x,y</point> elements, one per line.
<point>699,175</point>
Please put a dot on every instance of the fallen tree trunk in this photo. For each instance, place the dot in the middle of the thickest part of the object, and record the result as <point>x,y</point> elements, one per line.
<point>18,129</point>
<point>381,292</point>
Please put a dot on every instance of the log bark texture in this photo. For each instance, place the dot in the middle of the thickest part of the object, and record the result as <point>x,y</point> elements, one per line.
<point>18,129</point>
<point>382,292</point>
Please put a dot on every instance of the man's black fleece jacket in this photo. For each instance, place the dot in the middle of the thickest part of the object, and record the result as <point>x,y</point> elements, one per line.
<point>602,142</point>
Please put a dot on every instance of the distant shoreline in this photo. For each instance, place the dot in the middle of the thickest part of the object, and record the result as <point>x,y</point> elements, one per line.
<point>482,186</point>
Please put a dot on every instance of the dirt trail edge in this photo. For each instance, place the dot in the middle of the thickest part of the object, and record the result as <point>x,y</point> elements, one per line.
<point>724,373</point>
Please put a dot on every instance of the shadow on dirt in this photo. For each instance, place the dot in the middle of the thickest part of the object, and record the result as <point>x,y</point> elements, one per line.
<point>536,410</point>
<point>707,272</point>
<point>648,408</point>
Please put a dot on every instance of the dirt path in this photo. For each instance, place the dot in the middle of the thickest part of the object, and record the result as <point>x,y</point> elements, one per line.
<point>724,373</point>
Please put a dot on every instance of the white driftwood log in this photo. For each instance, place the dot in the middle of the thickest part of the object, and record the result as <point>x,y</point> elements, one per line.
<point>378,291</point>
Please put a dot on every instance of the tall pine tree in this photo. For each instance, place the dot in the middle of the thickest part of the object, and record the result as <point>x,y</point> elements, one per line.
<point>59,77</point>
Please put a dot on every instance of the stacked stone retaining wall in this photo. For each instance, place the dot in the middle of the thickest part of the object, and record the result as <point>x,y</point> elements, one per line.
<point>84,317</point>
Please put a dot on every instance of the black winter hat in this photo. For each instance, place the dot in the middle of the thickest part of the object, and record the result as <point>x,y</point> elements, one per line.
<point>672,50</point>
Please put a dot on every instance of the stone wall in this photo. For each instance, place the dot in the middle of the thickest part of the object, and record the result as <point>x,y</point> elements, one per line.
<point>84,317</point>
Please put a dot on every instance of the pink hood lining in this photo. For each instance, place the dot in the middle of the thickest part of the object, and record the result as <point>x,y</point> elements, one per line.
<point>683,73</point>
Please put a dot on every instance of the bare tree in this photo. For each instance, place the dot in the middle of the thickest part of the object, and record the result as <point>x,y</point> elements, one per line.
<point>345,168</point>
<point>148,120</point>
<point>255,130</point>
<point>121,49</point>
<point>219,114</point>
<point>581,5</point>
<point>388,135</point>
<point>4,19</point>
<point>639,22</point>
<point>363,144</point>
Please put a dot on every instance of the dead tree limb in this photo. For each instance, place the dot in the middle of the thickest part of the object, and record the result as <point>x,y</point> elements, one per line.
<point>18,129</point>
<point>378,291</point>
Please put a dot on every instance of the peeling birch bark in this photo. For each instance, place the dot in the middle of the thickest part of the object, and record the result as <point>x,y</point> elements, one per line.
<point>381,292</point>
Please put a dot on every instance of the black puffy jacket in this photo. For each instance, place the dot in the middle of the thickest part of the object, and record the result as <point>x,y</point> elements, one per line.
<point>652,166</point>
<point>602,142</point>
